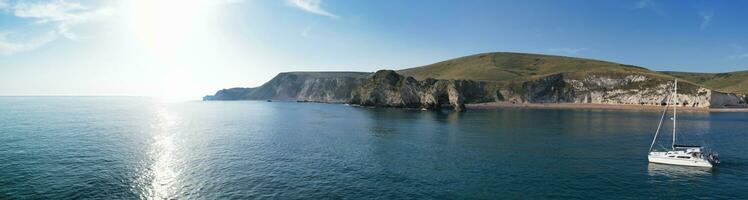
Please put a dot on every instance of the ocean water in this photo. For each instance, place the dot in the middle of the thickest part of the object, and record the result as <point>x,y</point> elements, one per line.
<point>139,148</point>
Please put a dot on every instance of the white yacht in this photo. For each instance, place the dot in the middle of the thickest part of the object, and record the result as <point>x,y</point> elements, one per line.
<point>686,155</point>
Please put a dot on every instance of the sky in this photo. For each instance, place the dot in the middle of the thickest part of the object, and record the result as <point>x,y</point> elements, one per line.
<point>184,49</point>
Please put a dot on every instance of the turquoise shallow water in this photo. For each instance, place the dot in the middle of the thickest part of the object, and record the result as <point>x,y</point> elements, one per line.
<point>130,148</point>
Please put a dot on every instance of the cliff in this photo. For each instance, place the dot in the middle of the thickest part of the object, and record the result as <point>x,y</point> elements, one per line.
<point>534,78</point>
<point>492,77</point>
<point>608,89</point>
<point>390,89</point>
<point>229,94</point>
<point>333,87</point>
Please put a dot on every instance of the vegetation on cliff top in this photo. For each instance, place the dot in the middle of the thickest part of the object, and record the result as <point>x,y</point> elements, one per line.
<point>504,66</point>
<point>732,82</point>
<point>513,68</point>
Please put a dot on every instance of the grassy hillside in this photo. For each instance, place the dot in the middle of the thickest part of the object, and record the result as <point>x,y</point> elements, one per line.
<point>735,82</point>
<point>519,66</point>
<point>507,68</point>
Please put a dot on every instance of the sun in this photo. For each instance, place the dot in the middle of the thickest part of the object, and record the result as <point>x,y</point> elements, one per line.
<point>175,36</point>
<point>167,26</point>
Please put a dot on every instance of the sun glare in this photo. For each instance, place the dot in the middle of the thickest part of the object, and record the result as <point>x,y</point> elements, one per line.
<point>177,35</point>
<point>175,86</point>
<point>165,26</point>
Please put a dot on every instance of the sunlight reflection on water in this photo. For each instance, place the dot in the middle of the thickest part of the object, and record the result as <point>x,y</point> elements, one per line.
<point>164,176</point>
<point>125,148</point>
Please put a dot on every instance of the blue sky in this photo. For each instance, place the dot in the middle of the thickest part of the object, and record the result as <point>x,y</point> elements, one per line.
<point>187,48</point>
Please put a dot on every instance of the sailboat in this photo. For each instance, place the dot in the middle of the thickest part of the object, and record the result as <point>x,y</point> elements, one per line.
<point>685,155</point>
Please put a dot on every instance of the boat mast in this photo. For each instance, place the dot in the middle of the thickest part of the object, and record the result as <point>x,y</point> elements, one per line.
<point>675,109</point>
<point>664,112</point>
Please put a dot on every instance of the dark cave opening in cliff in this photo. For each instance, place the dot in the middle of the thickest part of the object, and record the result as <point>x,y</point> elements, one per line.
<point>442,101</point>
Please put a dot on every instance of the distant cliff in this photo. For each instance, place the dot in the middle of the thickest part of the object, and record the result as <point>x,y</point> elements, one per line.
<point>496,77</point>
<point>230,94</point>
<point>334,87</point>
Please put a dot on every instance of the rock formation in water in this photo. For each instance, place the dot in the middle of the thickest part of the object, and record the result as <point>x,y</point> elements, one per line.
<point>390,89</point>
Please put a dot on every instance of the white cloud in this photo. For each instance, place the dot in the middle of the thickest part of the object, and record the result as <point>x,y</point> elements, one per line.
<point>311,6</point>
<point>738,56</point>
<point>306,32</point>
<point>47,12</point>
<point>9,46</point>
<point>646,4</point>
<point>64,15</point>
<point>231,1</point>
<point>737,47</point>
<point>706,18</point>
<point>55,17</point>
<point>567,50</point>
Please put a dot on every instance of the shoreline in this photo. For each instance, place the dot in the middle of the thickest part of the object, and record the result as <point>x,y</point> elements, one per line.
<point>572,106</point>
<point>652,108</point>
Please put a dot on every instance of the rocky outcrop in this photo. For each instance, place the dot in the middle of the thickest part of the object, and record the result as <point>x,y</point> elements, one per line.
<point>720,99</point>
<point>390,89</point>
<point>617,89</point>
<point>549,89</point>
<point>229,94</point>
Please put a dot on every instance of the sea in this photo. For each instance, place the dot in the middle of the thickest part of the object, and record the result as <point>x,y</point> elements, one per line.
<point>142,148</point>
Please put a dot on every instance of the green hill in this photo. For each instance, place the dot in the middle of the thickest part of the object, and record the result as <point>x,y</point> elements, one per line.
<point>506,67</point>
<point>501,77</point>
<point>735,82</point>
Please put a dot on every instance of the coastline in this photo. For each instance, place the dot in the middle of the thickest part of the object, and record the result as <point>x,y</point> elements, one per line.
<point>651,108</point>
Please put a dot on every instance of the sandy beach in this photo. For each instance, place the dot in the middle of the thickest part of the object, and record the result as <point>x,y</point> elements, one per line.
<point>498,105</point>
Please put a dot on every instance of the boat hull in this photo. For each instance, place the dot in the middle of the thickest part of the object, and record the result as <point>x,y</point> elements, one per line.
<point>677,161</point>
